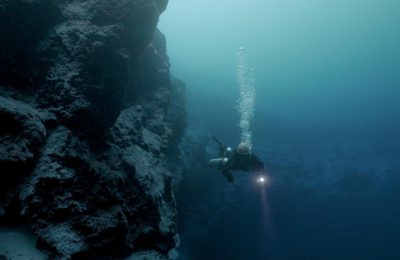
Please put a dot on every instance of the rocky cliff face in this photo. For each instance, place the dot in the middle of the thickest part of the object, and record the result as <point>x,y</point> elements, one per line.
<point>88,120</point>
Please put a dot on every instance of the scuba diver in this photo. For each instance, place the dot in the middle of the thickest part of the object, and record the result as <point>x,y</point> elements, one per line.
<point>240,159</point>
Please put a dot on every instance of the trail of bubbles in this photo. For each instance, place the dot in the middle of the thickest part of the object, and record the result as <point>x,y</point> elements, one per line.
<point>245,104</point>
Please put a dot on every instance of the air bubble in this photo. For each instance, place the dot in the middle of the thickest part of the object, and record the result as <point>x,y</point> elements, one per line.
<point>246,102</point>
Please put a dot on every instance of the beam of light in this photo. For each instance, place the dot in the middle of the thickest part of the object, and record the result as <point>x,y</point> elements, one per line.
<point>269,236</point>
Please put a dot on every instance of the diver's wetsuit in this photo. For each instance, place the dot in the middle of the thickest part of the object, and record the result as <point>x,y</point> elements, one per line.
<point>232,160</point>
<point>245,162</point>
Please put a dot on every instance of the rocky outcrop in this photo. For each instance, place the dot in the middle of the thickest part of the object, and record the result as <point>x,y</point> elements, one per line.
<point>22,132</point>
<point>89,122</point>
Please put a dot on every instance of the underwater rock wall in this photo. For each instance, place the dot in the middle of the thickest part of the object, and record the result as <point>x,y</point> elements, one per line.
<point>86,128</point>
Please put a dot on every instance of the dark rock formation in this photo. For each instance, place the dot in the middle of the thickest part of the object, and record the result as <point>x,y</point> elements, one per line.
<point>89,122</point>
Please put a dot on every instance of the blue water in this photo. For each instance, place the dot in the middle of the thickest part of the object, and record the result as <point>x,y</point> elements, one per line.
<point>326,125</point>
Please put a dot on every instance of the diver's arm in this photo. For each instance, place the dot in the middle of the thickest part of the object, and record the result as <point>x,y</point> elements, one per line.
<point>257,164</point>
<point>228,175</point>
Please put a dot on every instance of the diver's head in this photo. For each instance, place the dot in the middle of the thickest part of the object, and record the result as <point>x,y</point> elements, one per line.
<point>243,148</point>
